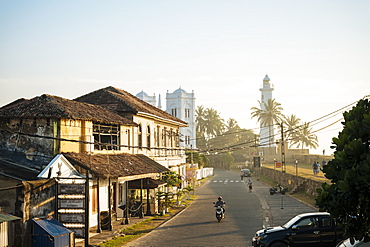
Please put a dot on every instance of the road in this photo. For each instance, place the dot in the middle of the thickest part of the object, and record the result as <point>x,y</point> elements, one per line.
<point>245,213</point>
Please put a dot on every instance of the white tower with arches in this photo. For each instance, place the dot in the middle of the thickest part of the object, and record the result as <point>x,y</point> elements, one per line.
<point>181,104</point>
<point>266,132</point>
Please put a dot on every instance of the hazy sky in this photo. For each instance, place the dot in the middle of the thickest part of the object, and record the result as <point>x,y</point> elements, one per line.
<point>316,52</point>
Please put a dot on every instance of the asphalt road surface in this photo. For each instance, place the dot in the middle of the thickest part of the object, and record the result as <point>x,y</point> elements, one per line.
<point>197,224</point>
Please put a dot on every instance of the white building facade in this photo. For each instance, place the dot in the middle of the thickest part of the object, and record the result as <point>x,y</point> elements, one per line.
<point>181,104</point>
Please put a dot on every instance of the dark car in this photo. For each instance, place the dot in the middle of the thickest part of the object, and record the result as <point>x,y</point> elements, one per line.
<point>347,243</point>
<point>246,172</point>
<point>310,229</point>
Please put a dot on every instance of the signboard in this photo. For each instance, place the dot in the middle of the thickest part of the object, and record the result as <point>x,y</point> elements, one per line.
<point>79,232</point>
<point>257,161</point>
<point>71,189</point>
<point>278,165</point>
<point>72,218</point>
<point>72,203</point>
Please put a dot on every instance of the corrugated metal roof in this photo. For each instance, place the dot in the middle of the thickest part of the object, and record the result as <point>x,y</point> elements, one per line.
<point>52,226</point>
<point>7,217</point>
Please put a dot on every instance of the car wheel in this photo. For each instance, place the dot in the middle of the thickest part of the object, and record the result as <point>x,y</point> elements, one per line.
<point>278,244</point>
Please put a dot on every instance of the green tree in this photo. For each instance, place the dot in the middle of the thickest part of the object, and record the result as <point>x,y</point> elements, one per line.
<point>291,124</point>
<point>199,119</point>
<point>304,137</point>
<point>268,114</point>
<point>213,122</point>
<point>200,126</point>
<point>172,179</point>
<point>227,159</point>
<point>347,198</point>
<point>197,157</point>
<point>232,124</point>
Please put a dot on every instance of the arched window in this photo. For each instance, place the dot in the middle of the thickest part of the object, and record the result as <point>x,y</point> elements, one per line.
<point>128,138</point>
<point>171,138</point>
<point>158,136</point>
<point>148,137</point>
<point>164,137</point>
<point>139,137</point>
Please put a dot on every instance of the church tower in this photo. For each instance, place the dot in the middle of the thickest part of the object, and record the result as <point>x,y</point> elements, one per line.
<point>148,99</point>
<point>266,132</point>
<point>181,104</point>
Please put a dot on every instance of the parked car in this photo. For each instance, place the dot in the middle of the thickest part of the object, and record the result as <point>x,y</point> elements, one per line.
<point>246,172</point>
<point>347,243</point>
<point>310,229</point>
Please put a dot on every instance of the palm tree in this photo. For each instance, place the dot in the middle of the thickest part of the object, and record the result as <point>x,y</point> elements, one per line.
<point>232,124</point>
<point>291,124</point>
<point>199,119</point>
<point>200,126</point>
<point>213,122</point>
<point>305,137</point>
<point>268,114</point>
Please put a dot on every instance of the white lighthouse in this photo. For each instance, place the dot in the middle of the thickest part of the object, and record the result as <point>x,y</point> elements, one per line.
<point>266,132</point>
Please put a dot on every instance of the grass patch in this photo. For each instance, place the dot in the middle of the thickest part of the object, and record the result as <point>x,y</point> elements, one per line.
<point>303,171</point>
<point>133,232</point>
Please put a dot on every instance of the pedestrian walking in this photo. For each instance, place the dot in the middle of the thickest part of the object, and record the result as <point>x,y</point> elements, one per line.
<point>318,168</point>
<point>250,185</point>
<point>314,168</point>
<point>241,175</point>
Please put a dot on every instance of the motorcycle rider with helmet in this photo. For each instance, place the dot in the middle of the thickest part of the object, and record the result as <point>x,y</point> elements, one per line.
<point>221,203</point>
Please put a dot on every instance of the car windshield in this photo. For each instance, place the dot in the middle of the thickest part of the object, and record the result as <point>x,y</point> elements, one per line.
<point>291,222</point>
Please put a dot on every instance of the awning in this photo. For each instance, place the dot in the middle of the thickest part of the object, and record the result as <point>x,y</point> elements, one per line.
<point>7,217</point>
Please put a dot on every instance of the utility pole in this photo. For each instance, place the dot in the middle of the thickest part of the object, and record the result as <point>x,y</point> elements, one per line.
<point>282,149</point>
<point>192,167</point>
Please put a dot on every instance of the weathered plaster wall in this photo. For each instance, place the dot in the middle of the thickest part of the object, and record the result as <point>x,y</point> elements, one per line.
<point>27,149</point>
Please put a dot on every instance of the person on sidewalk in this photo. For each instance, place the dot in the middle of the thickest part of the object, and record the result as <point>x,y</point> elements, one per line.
<point>250,185</point>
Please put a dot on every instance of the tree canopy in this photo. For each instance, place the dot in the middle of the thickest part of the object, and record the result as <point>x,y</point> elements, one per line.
<point>347,197</point>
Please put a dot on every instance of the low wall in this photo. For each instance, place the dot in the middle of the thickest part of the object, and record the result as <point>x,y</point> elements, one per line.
<point>289,181</point>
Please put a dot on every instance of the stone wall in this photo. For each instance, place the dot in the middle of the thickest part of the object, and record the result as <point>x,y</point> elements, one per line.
<point>289,181</point>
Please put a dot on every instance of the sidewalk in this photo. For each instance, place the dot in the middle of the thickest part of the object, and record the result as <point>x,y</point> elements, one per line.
<point>278,209</point>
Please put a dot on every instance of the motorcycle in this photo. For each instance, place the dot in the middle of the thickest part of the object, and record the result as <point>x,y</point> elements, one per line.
<point>280,189</point>
<point>219,213</point>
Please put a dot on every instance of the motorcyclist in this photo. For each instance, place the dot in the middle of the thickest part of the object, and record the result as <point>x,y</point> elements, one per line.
<point>221,203</point>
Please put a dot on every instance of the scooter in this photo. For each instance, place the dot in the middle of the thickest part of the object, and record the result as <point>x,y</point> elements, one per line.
<point>280,189</point>
<point>219,213</point>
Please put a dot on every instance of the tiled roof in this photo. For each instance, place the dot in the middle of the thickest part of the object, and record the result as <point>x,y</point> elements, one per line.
<point>151,162</point>
<point>122,102</point>
<point>117,165</point>
<point>47,106</point>
<point>17,171</point>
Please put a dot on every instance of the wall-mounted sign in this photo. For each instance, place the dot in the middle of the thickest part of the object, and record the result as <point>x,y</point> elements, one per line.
<point>71,189</point>
<point>72,203</point>
<point>72,218</point>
